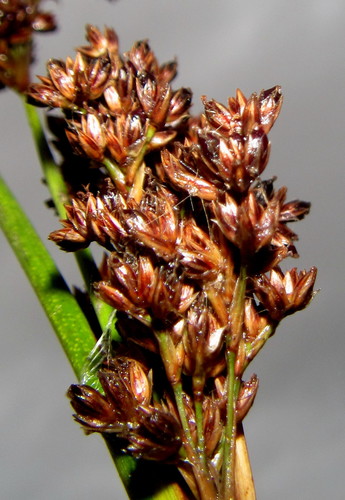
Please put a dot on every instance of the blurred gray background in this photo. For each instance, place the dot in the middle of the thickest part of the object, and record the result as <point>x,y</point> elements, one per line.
<point>295,430</point>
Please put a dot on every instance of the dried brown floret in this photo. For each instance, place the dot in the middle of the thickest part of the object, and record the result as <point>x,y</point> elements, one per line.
<point>126,410</point>
<point>90,218</point>
<point>283,294</point>
<point>131,285</point>
<point>203,342</point>
<point>248,224</point>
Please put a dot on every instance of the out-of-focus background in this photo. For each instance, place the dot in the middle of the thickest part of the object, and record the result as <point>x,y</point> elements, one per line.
<point>296,428</point>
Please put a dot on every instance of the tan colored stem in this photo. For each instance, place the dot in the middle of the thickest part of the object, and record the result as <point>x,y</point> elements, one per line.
<point>244,484</point>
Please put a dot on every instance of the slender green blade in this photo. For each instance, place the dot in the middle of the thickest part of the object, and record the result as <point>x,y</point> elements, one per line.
<point>59,304</point>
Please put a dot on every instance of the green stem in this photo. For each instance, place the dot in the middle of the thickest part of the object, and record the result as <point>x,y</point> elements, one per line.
<point>237,310</point>
<point>133,167</point>
<point>205,484</point>
<point>58,191</point>
<point>198,386</point>
<point>200,432</point>
<point>252,348</point>
<point>179,396</point>
<point>51,170</point>
<point>143,482</point>
<point>173,371</point>
<point>116,174</point>
<point>233,385</point>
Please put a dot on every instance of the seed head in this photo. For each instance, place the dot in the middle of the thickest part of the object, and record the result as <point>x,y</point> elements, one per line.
<point>203,342</point>
<point>90,218</point>
<point>101,45</point>
<point>283,294</point>
<point>194,238</point>
<point>248,224</point>
<point>126,410</point>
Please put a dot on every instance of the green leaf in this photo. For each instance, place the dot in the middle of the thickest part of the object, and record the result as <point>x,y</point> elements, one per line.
<point>59,304</point>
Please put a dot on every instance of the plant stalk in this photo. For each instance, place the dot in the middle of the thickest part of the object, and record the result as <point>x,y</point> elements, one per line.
<point>205,484</point>
<point>58,191</point>
<point>233,386</point>
<point>206,487</point>
<point>198,386</point>
<point>228,479</point>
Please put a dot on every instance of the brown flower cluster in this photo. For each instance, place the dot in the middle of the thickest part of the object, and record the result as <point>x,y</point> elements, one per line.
<point>127,410</point>
<point>119,108</point>
<point>194,239</point>
<point>18,20</point>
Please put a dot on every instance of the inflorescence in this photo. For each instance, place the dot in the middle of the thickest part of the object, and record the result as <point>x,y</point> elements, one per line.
<point>193,241</point>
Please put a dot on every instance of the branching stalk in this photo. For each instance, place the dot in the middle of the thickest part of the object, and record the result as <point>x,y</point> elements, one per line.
<point>179,396</point>
<point>200,432</point>
<point>228,481</point>
<point>206,486</point>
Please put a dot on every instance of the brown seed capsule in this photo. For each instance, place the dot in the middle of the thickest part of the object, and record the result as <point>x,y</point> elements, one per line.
<point>151,431</point>
<point>178,107</point>
<point>154,98</point>
<point>100,44</point>
<point>283,294</point>
<point>88,136</point>
<point>131,285</point>
<point>90,218</point>
<point>270,102</point>
<point>198,252</point>
<point>203,342</point>
<point>125,137</point>
<point>154,224</point>
<point>248,225</point>
<point>184,176</point>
